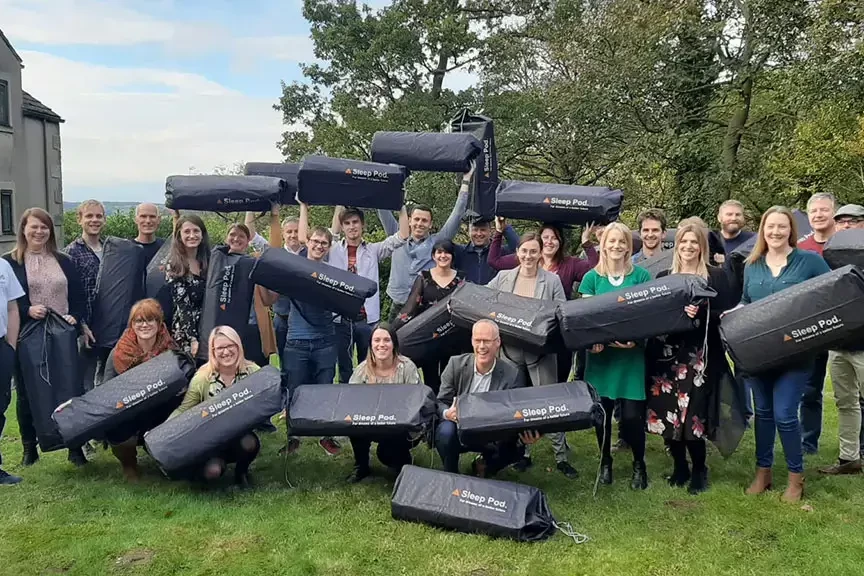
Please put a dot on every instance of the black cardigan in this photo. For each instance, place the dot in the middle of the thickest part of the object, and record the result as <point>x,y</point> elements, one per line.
<point>74,289</point>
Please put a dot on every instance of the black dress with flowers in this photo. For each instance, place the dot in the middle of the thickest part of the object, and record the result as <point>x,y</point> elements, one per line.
<point>187,294</point>
<point>682,400</point>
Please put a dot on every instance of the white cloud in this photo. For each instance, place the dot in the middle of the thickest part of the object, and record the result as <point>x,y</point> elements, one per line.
<point>115,136</point>
<point>248,52</point>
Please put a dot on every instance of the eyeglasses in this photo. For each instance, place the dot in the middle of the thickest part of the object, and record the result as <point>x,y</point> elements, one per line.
<point>849,220</point>
<point>139,321</point>
<point>226,348</point>
<point>319,242</point>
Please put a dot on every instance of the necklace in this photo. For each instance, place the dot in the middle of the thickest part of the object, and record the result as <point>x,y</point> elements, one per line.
<point>616,280</point>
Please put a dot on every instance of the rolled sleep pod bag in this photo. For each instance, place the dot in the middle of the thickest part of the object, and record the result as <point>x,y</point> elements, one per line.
<point>228,295</point>
<point>124,398</point>
<point>485,180</point>
<point>816,315</point>
<point>285,171</point>
<point>209,193</point>
<point>525,322</point>
<point>634,313</point>
<point>490,416</point>
<point>474,505</point>
<point>195,435</point>
<point>577,205</point>
<point>325,181</point>
<point>119,285</point>
<point>431,331</point>
<point>156,284</point>
<point>318,283</point>
<point>657,264</point>
<point>48,361</point>
<point>426,151</point>
<point>845,248</point>
<point>361,410</point>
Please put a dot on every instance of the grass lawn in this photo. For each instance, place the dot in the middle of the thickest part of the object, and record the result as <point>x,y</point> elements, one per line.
<point>61,520</point>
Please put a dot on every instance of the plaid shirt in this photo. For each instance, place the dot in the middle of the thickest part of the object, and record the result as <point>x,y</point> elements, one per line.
<point>87,264</point>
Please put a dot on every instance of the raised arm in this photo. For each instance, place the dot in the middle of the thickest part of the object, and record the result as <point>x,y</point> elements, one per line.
<point>388,222</point>
<point>451,226</point>
<point>303,224</point>
<point>512,238</point>
<point>496,259</point>
<point>336,222</point>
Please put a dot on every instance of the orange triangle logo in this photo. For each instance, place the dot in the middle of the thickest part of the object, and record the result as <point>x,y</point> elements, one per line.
<point>314,275</point>
<point>120,406</point>
<point>348,418</point>
<point>493,314</point>
<point>204,414</point>
<point>621,299</point>
<point>219,201</point>
<point>347,171</point>
<point>518,415</point>
<point>786,338</point>
<point>435,335</point>
<point>222,307</point>
<point>546,201</point>
<point>455,492</point>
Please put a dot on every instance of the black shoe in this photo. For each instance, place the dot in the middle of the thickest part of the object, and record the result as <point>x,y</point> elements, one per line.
<point>640,476</point>
<point>606,473</point>
<point>699,482</point>
<point>679,477</point>
<point>31,455</point>
<point>522,464</point>
<point>568,470</point>
<point>358,474</point>
<point>266,427</point>
<point>76,457</point>
<point>7,479</point>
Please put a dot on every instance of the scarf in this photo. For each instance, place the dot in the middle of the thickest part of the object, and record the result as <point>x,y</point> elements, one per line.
<point>128,354</point>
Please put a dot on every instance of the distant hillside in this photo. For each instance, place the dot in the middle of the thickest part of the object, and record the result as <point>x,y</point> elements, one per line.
<point>110,207</point>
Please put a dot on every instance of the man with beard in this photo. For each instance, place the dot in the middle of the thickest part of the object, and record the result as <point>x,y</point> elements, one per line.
<point>732,221</point>
<point>147,221</point>
<point>820,213</point>
<point>652,229</point>
<point>472,259</point>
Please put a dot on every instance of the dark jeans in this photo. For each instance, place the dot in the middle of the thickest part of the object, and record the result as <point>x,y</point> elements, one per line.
<point>811,405</point>
<point>777,396</point>
<point>348,335</point>
<point>498,455</point>
<point>631,428</point>
<point>565,365</point>
<point>233,452</point>
<point>392,452</point>
<point>280,325</point>
<point>309,362</point>
<point>7,362</point>
<point>92,366</point>
<point>252,345</point>
<point>581,361</point>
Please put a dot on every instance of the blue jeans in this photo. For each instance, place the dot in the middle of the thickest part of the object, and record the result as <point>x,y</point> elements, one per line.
<point>348,335</point>
<point>309,362</point>
<point>497,455</point>
<point>777,396</point>
<point>811,405</point>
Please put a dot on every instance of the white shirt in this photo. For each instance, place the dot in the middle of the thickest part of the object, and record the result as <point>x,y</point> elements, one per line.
<point>481,382</point>
<point>10,290</point>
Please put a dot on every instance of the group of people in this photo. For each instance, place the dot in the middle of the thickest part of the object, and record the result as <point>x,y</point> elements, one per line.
<point>666,386</point>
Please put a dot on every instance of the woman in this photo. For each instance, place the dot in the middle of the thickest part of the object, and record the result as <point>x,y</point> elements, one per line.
<point>617,369</point>
<point>186,274</point>
<point>145,338</point>
<point>774,265</point>
<point>688,366</point>
<point>530,280</point>
<point>238,240</point>
<point>429,288</point>
<point>50,282</point>
<point>226,366</point>
<point>570,269</point>
<point>383,365</point>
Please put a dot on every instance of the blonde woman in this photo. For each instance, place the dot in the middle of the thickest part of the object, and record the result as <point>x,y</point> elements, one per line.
<point>617,369</point>
<point>226,367</point>
<point>684,372</point>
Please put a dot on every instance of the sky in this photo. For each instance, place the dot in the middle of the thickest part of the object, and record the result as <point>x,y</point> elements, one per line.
<point>150,88</point>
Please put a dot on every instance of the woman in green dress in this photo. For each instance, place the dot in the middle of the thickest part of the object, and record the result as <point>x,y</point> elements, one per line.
<point>617,369</point>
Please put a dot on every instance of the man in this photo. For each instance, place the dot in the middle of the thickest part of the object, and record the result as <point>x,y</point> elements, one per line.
<point>86,253</point>
<point>354,254</point>
<point>652,229</point>
<point>10,322</point>
<point>731,219</point>
<point>474,373</point>
<point>310,345</point>
<point>472,258</point>
<point>416,255</point>
<point>847,375</point>
<point>147,221</point>
<point>820,213</point>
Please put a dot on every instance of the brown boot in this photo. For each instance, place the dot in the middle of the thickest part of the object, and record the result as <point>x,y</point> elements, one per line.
<point>127,454</point>
<point>795,489</point>
<point>761,483</point>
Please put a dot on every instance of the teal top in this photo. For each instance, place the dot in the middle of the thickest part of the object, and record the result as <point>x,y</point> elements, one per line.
<point>801,265</point>
<point>616,372</point>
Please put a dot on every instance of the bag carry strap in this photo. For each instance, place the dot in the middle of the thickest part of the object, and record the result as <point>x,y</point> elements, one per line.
<point>568,530</point>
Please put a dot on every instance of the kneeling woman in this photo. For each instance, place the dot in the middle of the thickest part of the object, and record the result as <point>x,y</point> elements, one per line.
<point>146,337</point>
<point>383,365</point>
<point>226,367</point>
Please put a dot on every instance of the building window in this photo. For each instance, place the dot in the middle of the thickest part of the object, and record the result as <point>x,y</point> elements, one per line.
<point>6,228</point>
<point>4,103</point>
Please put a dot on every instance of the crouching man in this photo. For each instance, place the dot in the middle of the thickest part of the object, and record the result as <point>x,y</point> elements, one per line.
<point>474,373</point>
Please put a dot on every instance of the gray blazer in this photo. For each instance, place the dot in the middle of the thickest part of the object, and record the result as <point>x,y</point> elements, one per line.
<point>457,376</point>
<point>548,285</point>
